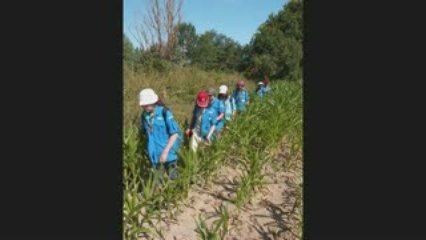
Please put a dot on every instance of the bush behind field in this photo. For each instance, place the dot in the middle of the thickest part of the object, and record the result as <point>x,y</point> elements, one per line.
<point>177,87</point>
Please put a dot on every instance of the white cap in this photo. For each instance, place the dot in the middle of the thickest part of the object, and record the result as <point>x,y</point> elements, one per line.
<point>147,96</point>
<point>223,89</point>
<point>260,83</point>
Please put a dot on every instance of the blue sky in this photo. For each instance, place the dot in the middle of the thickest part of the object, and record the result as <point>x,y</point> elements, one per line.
<point>238,19</point>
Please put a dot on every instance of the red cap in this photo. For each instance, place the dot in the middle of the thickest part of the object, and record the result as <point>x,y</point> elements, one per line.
<point>203,99</point>
<point>266,81</point>
<point>241,83</point>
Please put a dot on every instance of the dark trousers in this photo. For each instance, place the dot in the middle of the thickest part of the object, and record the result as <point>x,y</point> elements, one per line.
<point>170,167</point>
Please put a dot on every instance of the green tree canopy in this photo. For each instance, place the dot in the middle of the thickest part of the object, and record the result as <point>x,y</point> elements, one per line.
<point>217,51</point>
<point>276,48</point>
<point>128,49</point>
<point>186,41</point>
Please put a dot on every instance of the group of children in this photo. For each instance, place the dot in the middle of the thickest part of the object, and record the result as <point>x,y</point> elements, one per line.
<point>211,114</point>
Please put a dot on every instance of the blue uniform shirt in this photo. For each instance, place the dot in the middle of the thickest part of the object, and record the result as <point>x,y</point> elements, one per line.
<point>241,98</point>
<point>267,89</point>
<point>261,91</point>
<point>229,108</point>
<point>158,131</point>
<point>219,107</point>
<point>208,119</point>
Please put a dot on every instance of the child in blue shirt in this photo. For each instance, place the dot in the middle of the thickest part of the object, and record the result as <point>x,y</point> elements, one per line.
<point>163,134</point>
<point>219,107</point>
<point>266,86</point>
<point>241,97</point>
<point>260,90</point>
<point>203,123</point>
<point>228,102</point>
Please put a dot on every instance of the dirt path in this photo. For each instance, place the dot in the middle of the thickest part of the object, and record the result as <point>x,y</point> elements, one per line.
<point>272,213</point>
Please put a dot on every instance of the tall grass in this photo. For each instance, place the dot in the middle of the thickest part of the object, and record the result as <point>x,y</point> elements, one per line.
<point>178,87</point>
<point>260,128</point>
<point>254,138</point>
<point>261,131</point>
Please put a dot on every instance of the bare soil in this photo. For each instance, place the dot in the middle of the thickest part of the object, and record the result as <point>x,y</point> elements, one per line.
<point>274,212</point>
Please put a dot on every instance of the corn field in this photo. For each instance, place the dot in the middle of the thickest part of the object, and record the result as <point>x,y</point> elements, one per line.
<point>249,144</point>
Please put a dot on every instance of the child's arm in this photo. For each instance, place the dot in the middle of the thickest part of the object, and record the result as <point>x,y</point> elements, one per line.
<point>173,131</point>
<point>234,107</point>
<point>209,135</point>
<point>247,97</point>
<point>192,123</point>
<point>213,122</point>
<point>193,119</point>
<point>165,153</point>
<point>221,111</point>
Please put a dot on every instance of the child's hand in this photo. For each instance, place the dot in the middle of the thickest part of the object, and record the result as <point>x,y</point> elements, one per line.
<point>188,132</point>
<point>163,157</point>
<point>208,142</point>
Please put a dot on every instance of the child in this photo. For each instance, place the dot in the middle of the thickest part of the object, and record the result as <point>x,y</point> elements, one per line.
<point>228,102</point>
<point>260,90</point>
<point>163,134</point>
<point>203,123</point>
<point>219,107</point>
<point>241,96</point>
<point>266,85</point>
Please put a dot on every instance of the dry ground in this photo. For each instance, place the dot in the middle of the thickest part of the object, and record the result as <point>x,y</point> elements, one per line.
<point>274,212</point>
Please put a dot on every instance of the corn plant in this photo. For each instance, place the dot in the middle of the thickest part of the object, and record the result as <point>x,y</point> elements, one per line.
<point>224,220</point>
<point>204,232</point>
<point>249,139</point>
<point>219,227</point>
<point>268,120</point>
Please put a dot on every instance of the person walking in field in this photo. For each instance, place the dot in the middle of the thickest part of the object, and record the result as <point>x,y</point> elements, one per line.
<point>163,135</point>
<point>203,123</point>
<point>260,89</point>
<point>266,85</point>
<point>241,96</point>
<point>219,107</point>
<point>228,102</point>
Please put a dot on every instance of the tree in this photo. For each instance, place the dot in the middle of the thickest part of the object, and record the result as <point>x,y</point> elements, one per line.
<point>186,38</point>
<point>229,56</point>
<point>216,51</point>
<point>157,28</point>
<point>128,49</point>
<point>276,49</point>
<point>205,53</point>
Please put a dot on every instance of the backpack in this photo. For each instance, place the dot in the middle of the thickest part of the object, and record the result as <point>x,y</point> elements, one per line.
<point>164,114</point>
